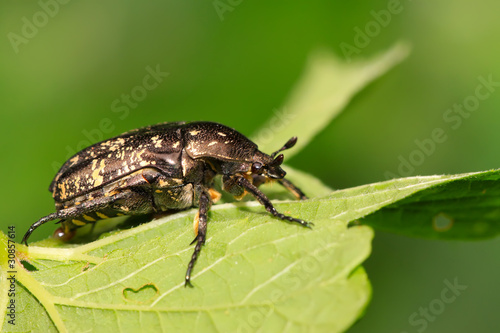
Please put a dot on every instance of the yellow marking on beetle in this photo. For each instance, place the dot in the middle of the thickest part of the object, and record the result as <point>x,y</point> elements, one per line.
<point>78,203</point>
<point>175,145</point>
<point>111,193</point>
<point>196,221</point>
<point>89,218</point>
<point>62,187</point>
<point>158,143</point>
<point>78,222</point>
<point>159,191</point>
<point>221,134</point>
<point>214,195</point>
<point>74,159</point>
<point>212,143</point>
<point>194,132</point>
<point>240,197</point>
<point>156,140</point>
<point>118,142</point>
<point>101,215</point>
<point>77,183</point>
<point>98,178</point>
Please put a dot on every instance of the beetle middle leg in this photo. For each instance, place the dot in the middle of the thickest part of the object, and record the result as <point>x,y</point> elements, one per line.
<point>204,204</point>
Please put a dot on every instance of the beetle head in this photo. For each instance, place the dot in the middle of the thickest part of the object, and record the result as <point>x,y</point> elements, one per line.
<point>270,166</point>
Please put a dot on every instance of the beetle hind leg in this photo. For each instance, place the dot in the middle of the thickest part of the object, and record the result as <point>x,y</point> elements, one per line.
<point>43,220</point>
<point>74,212</point>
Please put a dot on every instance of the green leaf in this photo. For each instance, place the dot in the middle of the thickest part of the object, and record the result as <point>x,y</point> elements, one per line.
<point>324,90</point>
<point>255,272</point>
<point>467,208</point>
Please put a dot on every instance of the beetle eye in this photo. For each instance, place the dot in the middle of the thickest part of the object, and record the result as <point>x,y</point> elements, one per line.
<point>257,167</point>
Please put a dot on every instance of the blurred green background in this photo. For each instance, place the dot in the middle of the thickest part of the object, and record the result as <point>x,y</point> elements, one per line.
<point>65,76</point>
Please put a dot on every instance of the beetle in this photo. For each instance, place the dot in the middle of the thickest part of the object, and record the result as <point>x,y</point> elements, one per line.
<point>163,167</point>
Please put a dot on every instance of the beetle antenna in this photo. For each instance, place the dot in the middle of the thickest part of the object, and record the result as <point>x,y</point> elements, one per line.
<point>278,160</point>
<point>289,144</point>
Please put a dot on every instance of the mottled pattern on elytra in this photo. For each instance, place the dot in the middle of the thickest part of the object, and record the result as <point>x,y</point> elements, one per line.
<point>104,162</point>
<point>159,146</point>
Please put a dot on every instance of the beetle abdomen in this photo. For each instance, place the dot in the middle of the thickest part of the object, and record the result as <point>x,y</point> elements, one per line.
<point>92,217</point>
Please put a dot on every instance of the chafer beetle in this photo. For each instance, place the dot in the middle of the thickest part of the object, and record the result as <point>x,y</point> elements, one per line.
<point>161,168</point>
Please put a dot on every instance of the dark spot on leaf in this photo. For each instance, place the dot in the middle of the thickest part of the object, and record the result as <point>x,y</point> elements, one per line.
<point>143,294</point>
<point>442,222</point>
<point>29,267</point>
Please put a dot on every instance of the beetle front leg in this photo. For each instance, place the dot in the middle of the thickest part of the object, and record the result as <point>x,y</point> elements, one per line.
<point>297,192</point>
<point>264,200</point>
<point>204,203</point>
<point>292,188</point>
